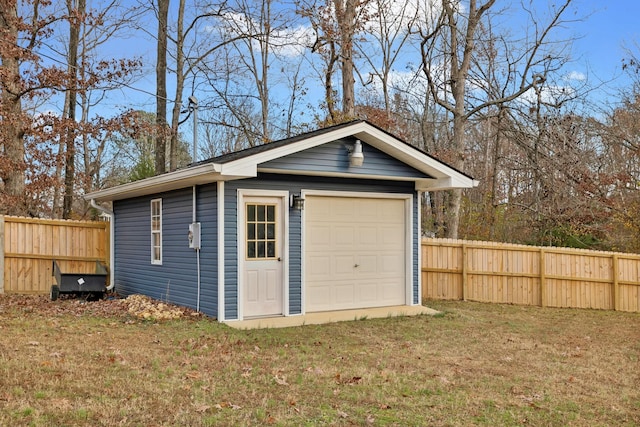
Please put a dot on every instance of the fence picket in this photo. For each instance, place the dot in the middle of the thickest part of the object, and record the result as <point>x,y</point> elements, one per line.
<point>528,275</point>
<point>29,245</point>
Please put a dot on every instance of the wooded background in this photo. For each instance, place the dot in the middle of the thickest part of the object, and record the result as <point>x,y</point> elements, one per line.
<point>81,108</point>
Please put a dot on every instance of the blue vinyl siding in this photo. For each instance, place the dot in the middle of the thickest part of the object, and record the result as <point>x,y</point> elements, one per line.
<point>294,184</point>
<point>230,252</point>
<point>175,280</point>
<point>207,215</point>
<point>416,297</point>
<point>333,157</point>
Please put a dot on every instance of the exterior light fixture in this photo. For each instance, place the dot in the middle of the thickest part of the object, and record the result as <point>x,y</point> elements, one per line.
<point>296,201</point>
<point>356,158</point>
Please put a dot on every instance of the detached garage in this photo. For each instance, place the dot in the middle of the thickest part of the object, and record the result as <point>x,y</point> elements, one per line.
<point>321,222</point>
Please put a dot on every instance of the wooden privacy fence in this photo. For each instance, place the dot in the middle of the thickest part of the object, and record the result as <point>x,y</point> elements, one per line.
<point>529,275</point>
<point>28,246</point>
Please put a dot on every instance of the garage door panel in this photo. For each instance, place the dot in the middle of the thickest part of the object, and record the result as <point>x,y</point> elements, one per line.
<point>367,265</point>
<point>344,292</point>
<point>319,238</point>
<point>392,235</point>
<point>340,208</point>
<point>343,264</point>
<point>390,263</point>
<point>367,211</point>
<point>369,232</point>
<point>342,235</point>
<point>318,266</point>
<point>367,235</point>
<point>389,291</point>
<point>368,293</point>
<point>391,212</point>
<point>321,297</point>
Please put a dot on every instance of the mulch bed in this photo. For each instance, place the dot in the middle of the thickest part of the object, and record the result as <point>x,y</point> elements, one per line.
<point>112,306</point>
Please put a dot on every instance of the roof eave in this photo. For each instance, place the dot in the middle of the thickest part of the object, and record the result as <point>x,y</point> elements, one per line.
<point>197,175</point>
<point>448,183</point>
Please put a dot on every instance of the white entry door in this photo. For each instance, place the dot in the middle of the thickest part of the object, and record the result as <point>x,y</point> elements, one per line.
<point>263,266</point>
<point>355,252</point>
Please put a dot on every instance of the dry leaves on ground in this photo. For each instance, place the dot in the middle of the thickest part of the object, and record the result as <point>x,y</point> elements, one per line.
<point>136,306</point>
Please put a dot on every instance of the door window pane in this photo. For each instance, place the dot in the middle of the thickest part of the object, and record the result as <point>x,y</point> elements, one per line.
<point>251,212</point>
<point>261,242</point>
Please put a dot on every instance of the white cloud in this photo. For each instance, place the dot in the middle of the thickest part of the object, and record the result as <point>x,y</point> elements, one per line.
<point>292,42</point>
<point>284,41</point>
<point>576,75</point>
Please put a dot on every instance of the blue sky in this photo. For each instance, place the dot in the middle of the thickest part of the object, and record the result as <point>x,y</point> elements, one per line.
<point>599,37</point>
<point>610,26</point>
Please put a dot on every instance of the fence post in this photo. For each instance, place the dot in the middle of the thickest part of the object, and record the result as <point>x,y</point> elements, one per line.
<point>543,285</point>
<point>1,254</point>
<point>464,272</point>
<point>616,288</point>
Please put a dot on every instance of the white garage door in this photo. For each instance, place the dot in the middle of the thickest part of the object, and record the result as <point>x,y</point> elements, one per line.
<point>355,252</point>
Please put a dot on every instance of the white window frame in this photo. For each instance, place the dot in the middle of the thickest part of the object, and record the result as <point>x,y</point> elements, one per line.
<point>156,232</point>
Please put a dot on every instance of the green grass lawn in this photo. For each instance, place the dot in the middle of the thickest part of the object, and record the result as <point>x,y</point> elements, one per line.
<point>475,364</point>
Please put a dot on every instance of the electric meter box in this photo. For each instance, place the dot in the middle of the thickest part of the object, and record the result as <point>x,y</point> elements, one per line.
<point>194,235</point>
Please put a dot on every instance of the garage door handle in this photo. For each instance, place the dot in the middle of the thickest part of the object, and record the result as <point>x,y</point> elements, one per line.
<point>279,259</point>
<point>356,266</point>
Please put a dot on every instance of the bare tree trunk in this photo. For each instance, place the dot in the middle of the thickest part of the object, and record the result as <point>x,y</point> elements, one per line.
<point>328,83</point>
<point>177,105</point>
<point>265,17</point>
<point>13,129</point>
<point>345,16</point>
<point>76,9</point>
<point>161,87</point>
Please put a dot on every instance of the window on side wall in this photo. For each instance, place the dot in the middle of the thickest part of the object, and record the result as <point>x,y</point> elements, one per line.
<point>156,231</point>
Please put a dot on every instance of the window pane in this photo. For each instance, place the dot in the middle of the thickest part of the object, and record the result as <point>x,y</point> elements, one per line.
<point>271,213</point>
<point>271,231</point>
<point>271,249</point>
<point>251,212</point>
<point>261,233</point>
<point>261,252</point>
<point>261,213</point>
<point>251,231</point>
<point>156,231</point>
<point>251,249</point>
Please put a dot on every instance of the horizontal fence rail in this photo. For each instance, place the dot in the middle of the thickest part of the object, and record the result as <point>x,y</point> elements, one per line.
<point>28,247</point>
<point>529,275</point>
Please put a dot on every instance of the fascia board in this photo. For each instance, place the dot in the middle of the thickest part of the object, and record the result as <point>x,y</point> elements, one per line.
<point>239,169</point>
<point>443,184</point>
<point>196,175</point>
